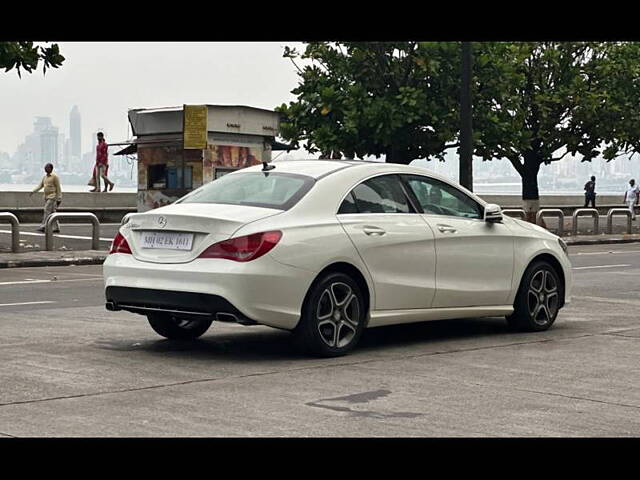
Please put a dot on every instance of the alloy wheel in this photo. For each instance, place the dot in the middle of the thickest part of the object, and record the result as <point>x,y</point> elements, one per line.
<point>338,315</point>
<point>542,297</point>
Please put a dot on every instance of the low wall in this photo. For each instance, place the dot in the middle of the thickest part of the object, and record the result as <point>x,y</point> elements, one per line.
<point>108,207</point>
<point>552,201</point>
<point>87,200</point>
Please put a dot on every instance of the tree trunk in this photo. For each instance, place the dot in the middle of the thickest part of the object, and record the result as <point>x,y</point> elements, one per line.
<point>530,194</point>
<point>396,154</point>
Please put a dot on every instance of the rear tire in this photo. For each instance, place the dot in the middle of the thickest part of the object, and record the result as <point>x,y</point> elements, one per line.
<point>538,299</point>
<point>333,316</point>
<point>175,328</point>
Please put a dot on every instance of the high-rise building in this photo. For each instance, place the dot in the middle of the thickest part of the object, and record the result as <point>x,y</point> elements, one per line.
<point>75,132</point>
<point>49,146</point>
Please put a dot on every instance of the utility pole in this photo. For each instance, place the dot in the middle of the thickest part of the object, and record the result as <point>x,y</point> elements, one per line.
<point>466,143</point>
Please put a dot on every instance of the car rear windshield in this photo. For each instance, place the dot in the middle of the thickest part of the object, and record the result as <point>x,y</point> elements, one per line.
<point>269,190</point>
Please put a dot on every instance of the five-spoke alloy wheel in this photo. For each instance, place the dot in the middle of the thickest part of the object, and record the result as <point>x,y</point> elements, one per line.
<point>333,316</point>
<point>538,299</point>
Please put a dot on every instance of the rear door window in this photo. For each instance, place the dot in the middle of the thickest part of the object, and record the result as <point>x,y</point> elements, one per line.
<point>383,194</point>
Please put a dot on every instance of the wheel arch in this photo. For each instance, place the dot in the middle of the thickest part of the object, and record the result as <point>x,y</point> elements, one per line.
<point>555,263</point>
<point>348,269</point>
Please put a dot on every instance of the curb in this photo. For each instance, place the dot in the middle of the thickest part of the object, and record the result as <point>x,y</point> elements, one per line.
<point>52,262</point>
<point>601,241</point>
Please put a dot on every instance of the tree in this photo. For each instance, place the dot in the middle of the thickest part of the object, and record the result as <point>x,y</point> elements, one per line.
<point>535,103</point>
<point>27,56</point>
<point>397,99</point>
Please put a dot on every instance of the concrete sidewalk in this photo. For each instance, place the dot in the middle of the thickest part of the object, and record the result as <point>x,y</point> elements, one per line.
<point>602,239</point>
<point>53,258</point>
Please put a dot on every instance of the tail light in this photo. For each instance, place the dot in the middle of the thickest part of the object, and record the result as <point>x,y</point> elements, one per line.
<point>243,249</point>
<point>119,245</point>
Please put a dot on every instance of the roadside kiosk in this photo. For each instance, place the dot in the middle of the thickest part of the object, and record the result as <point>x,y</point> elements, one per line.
<point>182,148</point>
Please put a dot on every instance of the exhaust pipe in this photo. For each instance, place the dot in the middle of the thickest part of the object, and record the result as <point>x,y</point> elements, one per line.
<point>226,317</point>
<point>111,306</point>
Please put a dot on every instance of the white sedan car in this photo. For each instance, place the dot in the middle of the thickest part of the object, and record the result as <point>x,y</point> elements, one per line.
<point>327,248</point>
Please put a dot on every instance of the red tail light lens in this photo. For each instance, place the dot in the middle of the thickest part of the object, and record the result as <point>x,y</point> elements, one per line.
<point>243,249</point>
<point>119,245</point>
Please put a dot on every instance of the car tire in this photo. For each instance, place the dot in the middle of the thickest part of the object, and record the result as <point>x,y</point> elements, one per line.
<point>333,316</point>
<point>175,328</point>
<point>538,299</point>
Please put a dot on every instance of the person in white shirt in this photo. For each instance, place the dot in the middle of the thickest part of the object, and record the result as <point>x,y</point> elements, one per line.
<point>631,197</point>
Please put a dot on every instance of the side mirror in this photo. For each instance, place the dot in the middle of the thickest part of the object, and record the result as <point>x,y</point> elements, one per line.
<point>492,213</point>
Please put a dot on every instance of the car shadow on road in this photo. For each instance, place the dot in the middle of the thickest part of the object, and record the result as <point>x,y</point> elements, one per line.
<point>259,344</point>
<point>436,331</point>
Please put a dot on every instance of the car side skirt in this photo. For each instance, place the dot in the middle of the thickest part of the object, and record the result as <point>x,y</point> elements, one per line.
<point>381,318</point>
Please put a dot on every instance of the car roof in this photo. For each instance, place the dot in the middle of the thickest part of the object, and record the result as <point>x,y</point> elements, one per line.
<point>317,168</point>
<point>320,168</point>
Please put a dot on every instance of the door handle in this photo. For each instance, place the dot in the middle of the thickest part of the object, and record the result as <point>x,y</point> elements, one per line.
<point>374,231</point>
<point>446,229</point>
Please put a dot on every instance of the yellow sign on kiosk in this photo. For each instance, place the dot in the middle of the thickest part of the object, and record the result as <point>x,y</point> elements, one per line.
<point>195,126</point>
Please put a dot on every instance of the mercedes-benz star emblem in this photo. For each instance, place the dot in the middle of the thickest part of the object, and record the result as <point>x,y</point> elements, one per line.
<point>162,221</point>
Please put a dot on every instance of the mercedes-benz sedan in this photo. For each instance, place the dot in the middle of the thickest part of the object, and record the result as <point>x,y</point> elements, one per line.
<point>327,248</point>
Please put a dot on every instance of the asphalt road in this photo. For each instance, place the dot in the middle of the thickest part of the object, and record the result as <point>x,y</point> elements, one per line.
<point>69,368</point>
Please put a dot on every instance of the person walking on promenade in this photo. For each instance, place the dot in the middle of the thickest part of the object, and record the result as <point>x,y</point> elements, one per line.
<point>631,197</point>
<point>590,193</point>
<point>101,168</point>
<point>52,196</point>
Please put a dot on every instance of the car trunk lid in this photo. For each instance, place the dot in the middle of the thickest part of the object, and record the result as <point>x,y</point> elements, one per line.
<point>179,233</point>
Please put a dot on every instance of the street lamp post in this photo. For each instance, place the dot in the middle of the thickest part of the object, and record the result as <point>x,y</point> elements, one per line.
<point>466,145</point>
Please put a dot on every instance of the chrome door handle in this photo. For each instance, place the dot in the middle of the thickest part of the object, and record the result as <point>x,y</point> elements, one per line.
<point>446,229</point>
<point>374,231</point>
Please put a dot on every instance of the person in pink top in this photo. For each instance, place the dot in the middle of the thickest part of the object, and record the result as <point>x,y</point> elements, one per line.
<point>102,165</point>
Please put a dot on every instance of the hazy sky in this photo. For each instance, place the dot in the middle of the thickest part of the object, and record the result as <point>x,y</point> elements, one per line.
<point>107,79</point>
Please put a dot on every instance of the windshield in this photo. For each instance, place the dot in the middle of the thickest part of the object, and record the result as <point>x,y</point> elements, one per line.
<point>272,190</point>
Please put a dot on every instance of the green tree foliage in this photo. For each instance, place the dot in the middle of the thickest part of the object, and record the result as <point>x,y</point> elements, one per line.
<point>397,99</point>
<point>538,102</point>
<point>533,102</point>
<point>26,56</point>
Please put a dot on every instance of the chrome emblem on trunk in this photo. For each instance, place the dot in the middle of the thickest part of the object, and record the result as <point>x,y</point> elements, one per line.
<point>162,222</point>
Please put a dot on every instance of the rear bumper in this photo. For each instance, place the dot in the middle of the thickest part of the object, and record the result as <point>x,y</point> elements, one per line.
<point>263,290</point>
<point>146,301</point>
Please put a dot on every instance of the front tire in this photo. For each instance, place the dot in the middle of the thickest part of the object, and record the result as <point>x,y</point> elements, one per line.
<point>538,299</point>
<point>175,328</point>
<point>333,316</point>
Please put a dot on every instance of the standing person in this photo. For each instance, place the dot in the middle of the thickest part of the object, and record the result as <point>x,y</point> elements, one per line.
<point>631,197</point>
<point>52,196</point>
<point>102,164</point>
<point>590,193</point>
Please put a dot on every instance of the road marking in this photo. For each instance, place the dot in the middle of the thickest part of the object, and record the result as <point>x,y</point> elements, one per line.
<point>24,281</point>
<point>51,281</point>
<point>23,303</point>
<point>75,237</point>
<point>605,253</point>
<point>603,266</point>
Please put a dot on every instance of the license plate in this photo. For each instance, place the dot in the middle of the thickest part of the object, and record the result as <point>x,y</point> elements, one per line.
<point>167,240</point>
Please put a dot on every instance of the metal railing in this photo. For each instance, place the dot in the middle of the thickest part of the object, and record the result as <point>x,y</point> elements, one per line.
<point>95,237</point>
<point>556,212</point>
<point>15,230</point>
<point>518,211</point>
<point>586,211</point>
<point>620,211</point>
